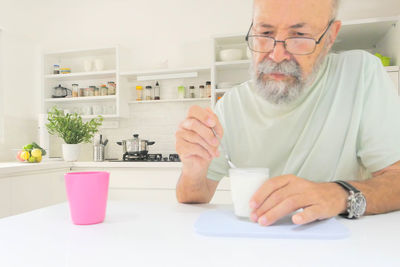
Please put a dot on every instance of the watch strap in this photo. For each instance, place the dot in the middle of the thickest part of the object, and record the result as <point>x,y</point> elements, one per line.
<point>347,186</point>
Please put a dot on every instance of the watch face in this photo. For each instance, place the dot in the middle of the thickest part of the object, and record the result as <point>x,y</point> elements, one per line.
<point>358,205</point>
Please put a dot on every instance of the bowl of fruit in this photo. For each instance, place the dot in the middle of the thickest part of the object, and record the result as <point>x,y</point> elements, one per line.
<point>31,153</point>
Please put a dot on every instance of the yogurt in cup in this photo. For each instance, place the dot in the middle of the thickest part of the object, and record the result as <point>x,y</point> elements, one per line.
<point>244,183</point>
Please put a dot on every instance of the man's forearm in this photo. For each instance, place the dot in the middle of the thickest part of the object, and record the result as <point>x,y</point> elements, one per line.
<point>382,192</point>
<point>192,189</point>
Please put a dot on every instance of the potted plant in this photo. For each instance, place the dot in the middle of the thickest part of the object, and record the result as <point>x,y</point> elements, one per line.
<point>71,128</point>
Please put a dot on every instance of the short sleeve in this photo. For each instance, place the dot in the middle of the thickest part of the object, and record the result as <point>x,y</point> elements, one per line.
<point>218,168</point>
<point>379,133</point>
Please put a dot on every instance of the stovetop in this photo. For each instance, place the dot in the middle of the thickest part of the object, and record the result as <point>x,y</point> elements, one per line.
<point>148,158</point>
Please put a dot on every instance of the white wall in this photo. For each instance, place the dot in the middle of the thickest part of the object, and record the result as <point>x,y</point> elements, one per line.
<point>391,43</point>
<point>20,86</point>
<point>154,30</point>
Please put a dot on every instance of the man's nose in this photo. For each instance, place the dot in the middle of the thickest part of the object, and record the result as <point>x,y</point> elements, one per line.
<point>279,53</point>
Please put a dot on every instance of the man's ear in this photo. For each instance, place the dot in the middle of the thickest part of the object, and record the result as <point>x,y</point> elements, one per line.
<point>335,28</point>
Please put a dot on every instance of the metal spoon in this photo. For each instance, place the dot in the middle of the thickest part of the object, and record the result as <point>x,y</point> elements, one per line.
<point>226,152</point>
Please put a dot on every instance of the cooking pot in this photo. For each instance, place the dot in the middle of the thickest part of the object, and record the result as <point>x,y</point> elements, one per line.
<point>135,146</point>
<point>59,92</point>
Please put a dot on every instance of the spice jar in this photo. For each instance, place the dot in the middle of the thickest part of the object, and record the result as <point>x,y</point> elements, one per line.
<point>91,90</point>
<point>75,90</point>
<point>208,89</point>
<point>192,92</point>
<point>111,88</point>
<point>148,93</point>
<point>81,92</point>
<point>103,90</point>
<point>181,92</point>
<point>96,91</point>
<point>202,91</point>
<point>139,92</point>
<point>56,69</point>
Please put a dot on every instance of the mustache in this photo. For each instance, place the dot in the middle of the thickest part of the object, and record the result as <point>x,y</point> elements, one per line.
<point>287,67</point>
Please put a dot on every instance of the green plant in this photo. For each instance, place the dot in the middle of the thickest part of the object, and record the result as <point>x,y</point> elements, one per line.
<point>71,128</point>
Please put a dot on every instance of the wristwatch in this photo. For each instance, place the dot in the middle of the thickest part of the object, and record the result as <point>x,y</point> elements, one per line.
<point>356,202</point>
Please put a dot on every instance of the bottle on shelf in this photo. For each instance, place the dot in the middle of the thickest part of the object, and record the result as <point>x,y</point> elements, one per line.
<point>111,88</point>
<point>157,91</point>
<point>75,90</point>
<point>103,90</point>
<point>208,89</point>
<point>192,92</point>
<point>202,91</point>
<point>56,69</point>
<point>181,92</point>
<point>139,93</point>
<point>148,92</point>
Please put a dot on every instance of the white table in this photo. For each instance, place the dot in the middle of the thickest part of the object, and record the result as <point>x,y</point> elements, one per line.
<point>150,234</point>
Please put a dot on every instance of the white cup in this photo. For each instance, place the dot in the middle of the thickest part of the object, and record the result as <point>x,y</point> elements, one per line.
<point>87,65</point>
<point>99,64</point>
<point>244,183</point>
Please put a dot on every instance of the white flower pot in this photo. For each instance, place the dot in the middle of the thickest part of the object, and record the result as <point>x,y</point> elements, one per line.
<point>71,152</point>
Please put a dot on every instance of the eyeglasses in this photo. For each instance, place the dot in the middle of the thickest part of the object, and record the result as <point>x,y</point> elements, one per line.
<point>294,45</point>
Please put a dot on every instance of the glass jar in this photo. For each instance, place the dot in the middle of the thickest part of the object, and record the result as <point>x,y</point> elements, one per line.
<point>81,92</point>
<point>208,89</point>
<point>91,90</point>
<point>111,88</point>
<point>149,93</point>
<point>96,91</point>
<point>157,91</point>
<point>192,92</point>
<point>181,92</point>
<point>56,69</point>
<point>202,91</point>
<point>103,90</point>
<point>75,90</point>
<point>139,93</point>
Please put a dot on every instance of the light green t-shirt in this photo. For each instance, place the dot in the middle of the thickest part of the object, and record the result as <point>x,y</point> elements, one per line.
<point>345,126</point>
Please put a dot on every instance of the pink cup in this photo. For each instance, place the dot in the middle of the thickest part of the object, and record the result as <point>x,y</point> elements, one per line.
<point>87,196</point>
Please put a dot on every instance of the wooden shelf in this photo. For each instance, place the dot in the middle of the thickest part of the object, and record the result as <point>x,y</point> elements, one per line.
<point>170,100</point>
<point>82,99</point>
<point>82,75</point>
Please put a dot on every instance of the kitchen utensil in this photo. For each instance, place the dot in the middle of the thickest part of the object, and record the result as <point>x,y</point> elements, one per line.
<point>225,151</point>
<point>105,142</point>
<point>59,92</point>
<point>87,196</point>
<point>135,145</point>
<point>98,153</point>
<point>231,54</point>
<point>224,223</point>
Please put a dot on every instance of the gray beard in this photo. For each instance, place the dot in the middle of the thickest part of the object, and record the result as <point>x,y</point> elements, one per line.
<point>283,92</point>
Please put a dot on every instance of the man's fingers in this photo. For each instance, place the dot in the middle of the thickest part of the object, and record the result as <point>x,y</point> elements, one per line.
<point>308,215</point>
<point>284,208</point>
<point>202,130</point>
<point>187,150</point>
<point>218,127</point>
<point>194,138</point>
<point>202,115</point>
<point>270,186</point>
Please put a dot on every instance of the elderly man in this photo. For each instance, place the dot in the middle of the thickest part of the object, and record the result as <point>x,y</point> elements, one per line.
<point>326,125</point>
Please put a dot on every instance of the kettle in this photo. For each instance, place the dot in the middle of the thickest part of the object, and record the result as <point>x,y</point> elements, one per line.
<point>59,92</point>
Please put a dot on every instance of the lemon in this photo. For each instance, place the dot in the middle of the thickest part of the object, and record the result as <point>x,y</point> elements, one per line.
<point>24,155</point>
<point>38,159</point>
<point>36,153</point>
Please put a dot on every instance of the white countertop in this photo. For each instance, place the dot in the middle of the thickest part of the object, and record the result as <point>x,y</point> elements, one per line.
<point>152,234</point>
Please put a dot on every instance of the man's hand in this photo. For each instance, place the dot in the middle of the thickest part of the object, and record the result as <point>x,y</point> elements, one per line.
<point>282,195</point>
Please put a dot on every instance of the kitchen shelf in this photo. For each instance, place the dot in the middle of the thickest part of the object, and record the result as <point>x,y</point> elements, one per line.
<point>105,116</point>
<point>82,75</point>
<point>81,99</point>
<point>170,100</point>
<point>364,33</point>
<point>222,90</point>
<point>163,74</point>
<point>229,65</point>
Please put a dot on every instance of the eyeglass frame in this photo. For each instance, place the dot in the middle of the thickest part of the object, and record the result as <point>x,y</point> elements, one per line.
<point>284,41</point>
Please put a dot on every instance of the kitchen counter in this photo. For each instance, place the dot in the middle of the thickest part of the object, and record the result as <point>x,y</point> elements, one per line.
<point>160,234</point>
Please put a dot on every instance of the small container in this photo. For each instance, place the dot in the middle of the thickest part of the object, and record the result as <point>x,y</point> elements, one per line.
<point>65,70</point>
<point>149,93</point>
<point>81,92</point>
<point>75,90</point>
<point>202,91</point>
<point>103,90</point>
<point>181,92</point>
<point>91,90</point>
<point>139,93</point>
<point>157,91</point>
<point>56,69</point>
<point>98,153</point>
<point>208,89</point>
<point>192,92</point>
<point>96,91</point>
<point>111,88</point>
